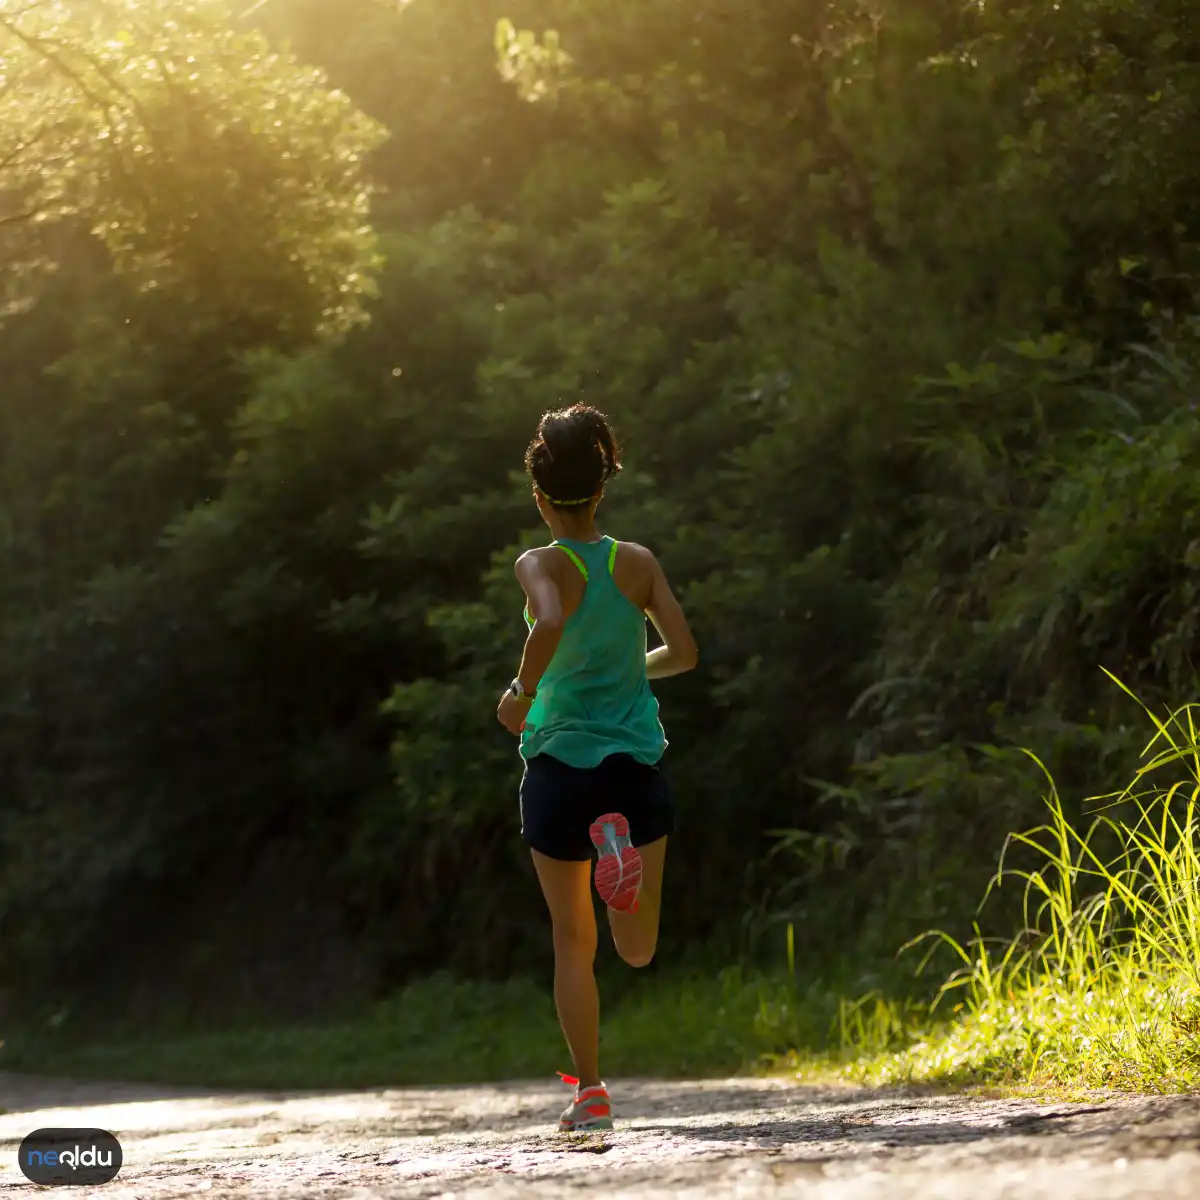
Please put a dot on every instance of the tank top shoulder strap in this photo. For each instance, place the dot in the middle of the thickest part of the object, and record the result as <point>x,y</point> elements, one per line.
<point>579,563</point>
<point>582,566</point>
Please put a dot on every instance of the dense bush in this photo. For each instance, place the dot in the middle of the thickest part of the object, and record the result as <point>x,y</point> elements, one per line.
<point>893,307</point>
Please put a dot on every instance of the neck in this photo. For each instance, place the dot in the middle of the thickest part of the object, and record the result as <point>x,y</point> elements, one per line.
<point>579,527</point>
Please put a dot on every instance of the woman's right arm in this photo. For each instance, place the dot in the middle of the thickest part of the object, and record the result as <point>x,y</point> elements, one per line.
<point>678,653</point>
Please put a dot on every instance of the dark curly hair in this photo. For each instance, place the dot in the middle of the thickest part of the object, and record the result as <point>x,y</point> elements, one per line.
<point>572,455</point>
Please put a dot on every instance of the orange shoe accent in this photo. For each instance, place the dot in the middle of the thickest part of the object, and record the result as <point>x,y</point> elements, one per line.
<point>589,1110</point>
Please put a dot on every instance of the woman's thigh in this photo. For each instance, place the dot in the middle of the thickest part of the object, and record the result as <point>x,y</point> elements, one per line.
<point>635,934</point>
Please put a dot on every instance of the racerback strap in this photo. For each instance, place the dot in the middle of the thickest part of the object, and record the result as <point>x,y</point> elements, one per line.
<point>580,564</point>
<point>574,558</point>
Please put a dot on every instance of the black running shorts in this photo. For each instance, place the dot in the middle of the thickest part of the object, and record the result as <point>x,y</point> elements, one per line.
<point>559,804</point>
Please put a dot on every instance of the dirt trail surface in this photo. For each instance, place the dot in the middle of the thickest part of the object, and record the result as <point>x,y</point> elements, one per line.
<point>732,1138</point>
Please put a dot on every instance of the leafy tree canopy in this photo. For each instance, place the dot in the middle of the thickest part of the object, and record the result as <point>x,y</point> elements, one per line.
<point>207,163</point>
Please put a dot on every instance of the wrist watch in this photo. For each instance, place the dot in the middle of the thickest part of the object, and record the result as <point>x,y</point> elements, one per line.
<point>518,692</point>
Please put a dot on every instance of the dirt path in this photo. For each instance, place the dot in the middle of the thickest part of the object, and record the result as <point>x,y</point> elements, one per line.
<point>731,1138</point>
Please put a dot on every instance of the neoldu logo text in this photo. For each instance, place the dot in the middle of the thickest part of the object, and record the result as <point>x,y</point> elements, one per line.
<point>70,1157</point>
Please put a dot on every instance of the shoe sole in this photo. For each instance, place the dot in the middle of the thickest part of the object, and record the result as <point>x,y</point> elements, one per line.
<point>587,1127</point>
<point>619,868</point>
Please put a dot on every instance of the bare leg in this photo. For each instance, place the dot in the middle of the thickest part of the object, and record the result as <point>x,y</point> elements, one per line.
<point>635,935</point>
<point>567,887</point>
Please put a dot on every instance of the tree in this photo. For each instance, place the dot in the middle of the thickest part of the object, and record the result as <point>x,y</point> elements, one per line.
<point>209,165</point>
<point>894,306</point>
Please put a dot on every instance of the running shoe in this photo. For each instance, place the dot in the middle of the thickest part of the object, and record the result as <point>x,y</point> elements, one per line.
<point>619,867</point>
<point>590,1110</point>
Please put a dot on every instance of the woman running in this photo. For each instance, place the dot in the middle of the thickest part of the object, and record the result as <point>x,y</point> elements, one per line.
<point>590,734</point>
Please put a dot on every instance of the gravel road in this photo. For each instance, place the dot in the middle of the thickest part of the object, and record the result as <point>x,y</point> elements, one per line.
<point>737,1137</point>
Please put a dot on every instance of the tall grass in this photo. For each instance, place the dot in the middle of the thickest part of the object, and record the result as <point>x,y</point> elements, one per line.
<point>1102,987</point>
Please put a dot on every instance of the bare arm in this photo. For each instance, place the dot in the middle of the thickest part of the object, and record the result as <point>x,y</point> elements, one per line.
<point>546,608</point>
<point>678,652</point>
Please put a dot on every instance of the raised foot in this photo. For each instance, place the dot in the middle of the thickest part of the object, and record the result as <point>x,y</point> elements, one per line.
<point>619,869</point>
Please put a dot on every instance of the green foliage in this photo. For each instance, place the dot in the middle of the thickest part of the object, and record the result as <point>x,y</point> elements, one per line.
<point>1101,988</point>
<point>443,1030</point>
<point>895,311</point>
<point>208,165</point>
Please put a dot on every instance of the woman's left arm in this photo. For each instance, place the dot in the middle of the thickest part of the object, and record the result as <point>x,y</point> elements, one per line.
<point>546,609</point>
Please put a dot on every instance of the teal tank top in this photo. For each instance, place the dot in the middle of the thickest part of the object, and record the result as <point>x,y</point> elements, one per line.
<point>595,699</point>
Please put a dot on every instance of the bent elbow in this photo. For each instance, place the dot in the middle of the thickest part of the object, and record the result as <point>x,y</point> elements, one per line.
<point>691,657</point>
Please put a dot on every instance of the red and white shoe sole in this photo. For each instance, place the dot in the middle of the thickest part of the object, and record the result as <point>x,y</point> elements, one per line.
<point>619,869</point>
